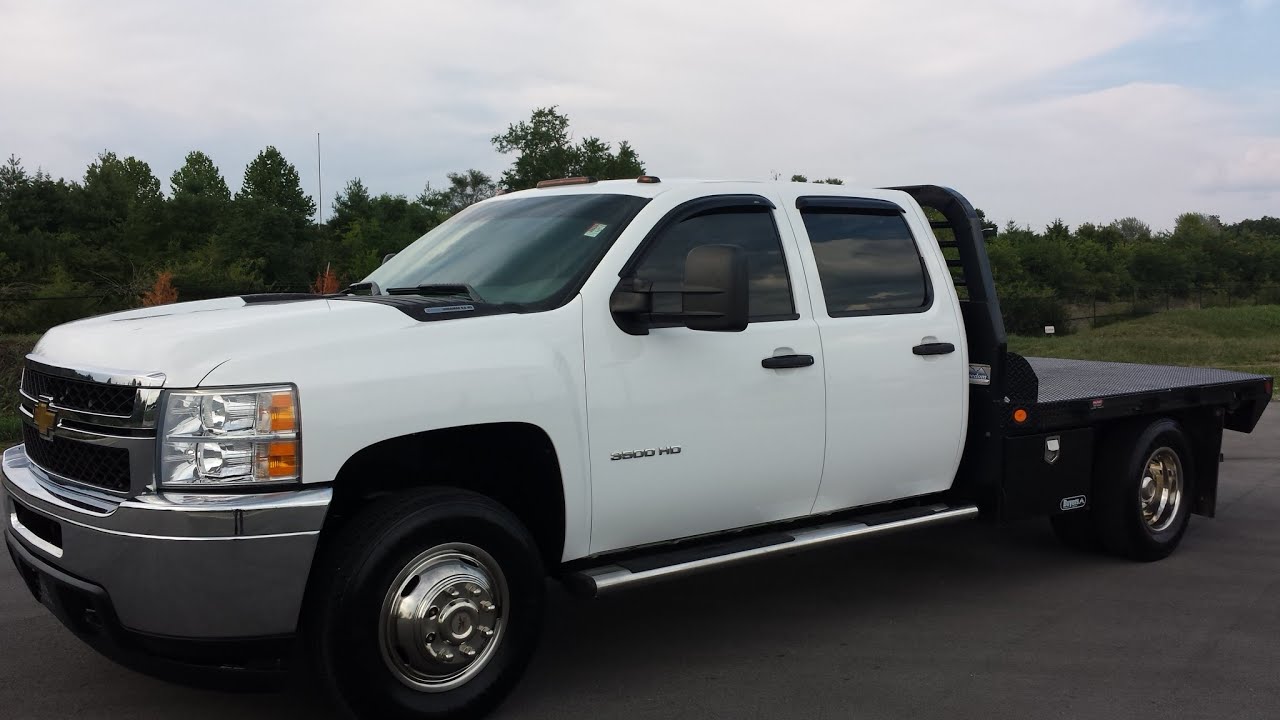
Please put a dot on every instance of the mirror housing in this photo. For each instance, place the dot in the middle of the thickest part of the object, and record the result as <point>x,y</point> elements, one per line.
<point>715,289</point>
<point>713,297</point>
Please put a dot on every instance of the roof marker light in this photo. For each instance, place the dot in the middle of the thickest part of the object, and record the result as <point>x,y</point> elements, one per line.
<point>580,180</point>
<point>649,179</point>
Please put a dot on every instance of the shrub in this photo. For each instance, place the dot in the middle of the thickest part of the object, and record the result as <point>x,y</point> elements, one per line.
<point>162,292</point>
<point>1029,315</point>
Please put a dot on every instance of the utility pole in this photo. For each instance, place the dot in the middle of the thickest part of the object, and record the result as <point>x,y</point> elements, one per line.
<point>319,186</point>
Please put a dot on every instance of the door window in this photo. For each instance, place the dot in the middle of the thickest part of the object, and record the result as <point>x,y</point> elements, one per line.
<point>868,262</point>
<point>749,228</point>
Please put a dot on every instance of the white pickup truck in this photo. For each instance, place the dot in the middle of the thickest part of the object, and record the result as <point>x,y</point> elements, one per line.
<point>604,383</point>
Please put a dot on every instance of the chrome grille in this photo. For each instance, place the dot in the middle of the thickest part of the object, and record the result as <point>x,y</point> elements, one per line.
<point>72,394</point>
<point>90,428</point>
<point>96,465</point>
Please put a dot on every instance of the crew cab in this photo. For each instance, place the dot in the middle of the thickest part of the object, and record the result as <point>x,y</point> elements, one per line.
<point>603,383</point>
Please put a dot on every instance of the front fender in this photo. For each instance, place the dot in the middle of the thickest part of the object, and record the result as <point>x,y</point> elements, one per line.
<point>422,376</point>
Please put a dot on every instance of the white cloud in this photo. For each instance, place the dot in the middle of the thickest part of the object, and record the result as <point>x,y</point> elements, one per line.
<point>875,92</point>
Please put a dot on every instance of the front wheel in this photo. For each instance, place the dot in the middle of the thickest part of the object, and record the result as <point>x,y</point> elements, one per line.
<point>427,605</point>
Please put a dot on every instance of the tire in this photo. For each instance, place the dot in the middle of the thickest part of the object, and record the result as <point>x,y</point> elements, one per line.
<point>1125,525</point>
<point>1076,530</point>
<point>454,556</point>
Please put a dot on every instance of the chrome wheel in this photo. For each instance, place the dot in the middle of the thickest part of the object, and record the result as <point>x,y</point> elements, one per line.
<point>1160,495</point>
<point>441,621</point>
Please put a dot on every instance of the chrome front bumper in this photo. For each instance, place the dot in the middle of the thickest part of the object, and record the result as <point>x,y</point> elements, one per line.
<point>181,565</point>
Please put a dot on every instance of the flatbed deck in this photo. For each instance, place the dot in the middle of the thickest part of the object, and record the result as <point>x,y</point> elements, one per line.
<point>1065,380</point>
<point>1075,392</point>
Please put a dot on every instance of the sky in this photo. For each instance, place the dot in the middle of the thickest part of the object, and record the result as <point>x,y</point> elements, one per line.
<point>1084,110</point>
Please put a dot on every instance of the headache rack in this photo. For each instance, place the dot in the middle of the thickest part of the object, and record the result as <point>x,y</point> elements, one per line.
<point>984,328</point>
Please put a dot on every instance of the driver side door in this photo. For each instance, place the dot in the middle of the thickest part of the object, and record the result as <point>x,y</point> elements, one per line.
<point>696,432</point>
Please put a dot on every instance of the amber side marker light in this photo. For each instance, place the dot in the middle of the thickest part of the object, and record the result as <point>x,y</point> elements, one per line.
<point>582,180</point>
<point>1019,416</point>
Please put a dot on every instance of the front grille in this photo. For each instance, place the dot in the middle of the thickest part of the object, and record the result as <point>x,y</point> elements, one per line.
<point>96,465</point>
<point>79,394</point>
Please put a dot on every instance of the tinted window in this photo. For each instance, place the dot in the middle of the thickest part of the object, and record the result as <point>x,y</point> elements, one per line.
<point>866,262</point>
<point>753,231</point>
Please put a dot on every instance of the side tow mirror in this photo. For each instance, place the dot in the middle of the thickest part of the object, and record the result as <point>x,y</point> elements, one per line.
<point>715,289</point>
<point>713,296</point>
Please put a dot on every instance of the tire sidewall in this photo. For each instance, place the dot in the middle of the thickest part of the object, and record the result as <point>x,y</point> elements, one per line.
<point>1146,542</point>
<point>351,627</point>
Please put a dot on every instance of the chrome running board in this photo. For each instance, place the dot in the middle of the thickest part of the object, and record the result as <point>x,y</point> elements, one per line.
<point>671,563</point>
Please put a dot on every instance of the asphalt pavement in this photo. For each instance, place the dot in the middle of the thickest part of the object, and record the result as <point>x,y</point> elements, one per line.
<point>966,621</point>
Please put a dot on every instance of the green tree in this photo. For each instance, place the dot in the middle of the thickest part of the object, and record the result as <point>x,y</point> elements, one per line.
<point>118,216</point>
<point>351,205</point>
<point>544,150</point>
<point>199,202</point>
<point>274,181</point>
<point>271,220</point>
<point>464,189</point>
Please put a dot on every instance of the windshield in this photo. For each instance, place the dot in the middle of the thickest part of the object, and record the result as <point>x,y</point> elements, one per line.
<point>525,251</point>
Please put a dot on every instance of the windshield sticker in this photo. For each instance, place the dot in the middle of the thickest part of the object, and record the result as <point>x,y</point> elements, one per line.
<point>595,230</point>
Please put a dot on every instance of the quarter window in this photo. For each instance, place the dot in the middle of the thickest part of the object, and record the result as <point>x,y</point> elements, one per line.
<point>868,262</point>
<point>751,229</point>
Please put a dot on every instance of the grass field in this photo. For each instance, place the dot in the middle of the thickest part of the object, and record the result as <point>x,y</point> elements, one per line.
<point>1240,338</point>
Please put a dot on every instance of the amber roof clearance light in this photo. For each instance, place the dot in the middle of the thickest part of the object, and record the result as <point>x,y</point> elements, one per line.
<point>580,180</point>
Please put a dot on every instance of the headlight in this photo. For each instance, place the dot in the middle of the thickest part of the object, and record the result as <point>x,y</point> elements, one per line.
<point>229,437</point>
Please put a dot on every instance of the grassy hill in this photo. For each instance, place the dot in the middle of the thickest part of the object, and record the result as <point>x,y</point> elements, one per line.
<point>1240,338</point>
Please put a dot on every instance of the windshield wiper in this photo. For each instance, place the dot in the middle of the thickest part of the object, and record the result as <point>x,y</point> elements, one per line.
<point>356,288</point>
<point>439,290</point>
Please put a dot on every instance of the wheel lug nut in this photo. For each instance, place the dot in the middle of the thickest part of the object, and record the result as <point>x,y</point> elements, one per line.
<point>453,592</point>
<point>447,655</point>
<point>486,606</point>
<point>467,650</point>
<point>431,637</point>
<point>433,611</point>
<point>485,630</point>
<point>475,591</point>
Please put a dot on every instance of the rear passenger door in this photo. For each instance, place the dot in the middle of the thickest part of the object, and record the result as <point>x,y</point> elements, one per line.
<point>894,350</point>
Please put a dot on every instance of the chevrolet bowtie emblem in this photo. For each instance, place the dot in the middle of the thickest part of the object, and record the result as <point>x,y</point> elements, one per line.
<point>46,418</point>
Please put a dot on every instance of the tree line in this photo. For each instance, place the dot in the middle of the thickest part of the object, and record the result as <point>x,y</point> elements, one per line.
<point>118,238</point>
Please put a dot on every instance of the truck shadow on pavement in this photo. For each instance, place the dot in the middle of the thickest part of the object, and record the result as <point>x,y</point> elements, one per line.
<point>813,612</point>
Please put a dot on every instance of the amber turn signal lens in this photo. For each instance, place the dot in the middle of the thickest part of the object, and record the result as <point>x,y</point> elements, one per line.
<point>283,415</point>
<point>282,460</point>
<point>1019,416</point>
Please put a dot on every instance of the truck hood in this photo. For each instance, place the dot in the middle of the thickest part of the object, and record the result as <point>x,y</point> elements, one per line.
<point>186,341</point>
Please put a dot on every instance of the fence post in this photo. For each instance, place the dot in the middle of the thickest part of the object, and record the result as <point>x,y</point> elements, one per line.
<point>1093,323</point>
<point>1167,299</point>
<point>1133,308</point>
<point>1199,296</point>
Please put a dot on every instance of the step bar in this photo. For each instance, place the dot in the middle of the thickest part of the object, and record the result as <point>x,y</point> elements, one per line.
<point>614,576</point>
